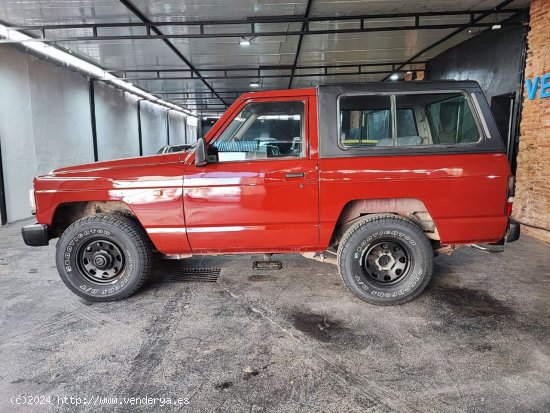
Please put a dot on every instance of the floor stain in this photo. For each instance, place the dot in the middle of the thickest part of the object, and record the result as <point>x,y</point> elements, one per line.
<point>318,327</point>
<point>224,386</point>
<point>468,302</point>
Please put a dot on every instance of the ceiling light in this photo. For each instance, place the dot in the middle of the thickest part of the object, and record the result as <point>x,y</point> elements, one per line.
<point>394,76</point>
<point>244,42</point>
<point>496,27</point>
<point>254,84</point>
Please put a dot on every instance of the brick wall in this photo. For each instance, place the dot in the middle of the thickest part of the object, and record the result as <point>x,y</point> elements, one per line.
<point>532,203</point>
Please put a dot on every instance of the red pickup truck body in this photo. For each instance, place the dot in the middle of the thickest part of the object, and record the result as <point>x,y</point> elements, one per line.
<point>186,209</point>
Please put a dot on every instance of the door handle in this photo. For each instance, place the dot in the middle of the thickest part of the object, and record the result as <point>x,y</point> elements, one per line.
<point>295,175</point>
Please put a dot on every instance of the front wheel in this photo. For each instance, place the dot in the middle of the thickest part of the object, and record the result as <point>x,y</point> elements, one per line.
<point>385,260</point>
<point>104,257</point>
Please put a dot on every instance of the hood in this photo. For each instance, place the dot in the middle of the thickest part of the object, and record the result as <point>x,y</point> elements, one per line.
<point>99,168</point>
<point>122,163</point>
<point>147,171</point>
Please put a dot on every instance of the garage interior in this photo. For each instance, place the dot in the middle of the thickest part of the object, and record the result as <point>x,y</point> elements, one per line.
<point>94,80</point>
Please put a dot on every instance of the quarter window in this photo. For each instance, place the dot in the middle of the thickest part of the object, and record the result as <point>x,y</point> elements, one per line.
<point>451,120</point>
<point>264,130</point>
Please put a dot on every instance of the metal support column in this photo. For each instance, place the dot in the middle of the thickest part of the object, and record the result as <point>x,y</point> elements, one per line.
<point>140,136</point>
<point>3,209</point>
<point>168,127</point>
<point>92,117</point>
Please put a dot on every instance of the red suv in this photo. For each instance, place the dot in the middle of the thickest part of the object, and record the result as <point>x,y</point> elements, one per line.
<point>386,175</point>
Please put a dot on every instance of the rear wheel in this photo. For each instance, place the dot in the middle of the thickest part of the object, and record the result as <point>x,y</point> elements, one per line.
<point>104,257</point>
<point>385,260</point>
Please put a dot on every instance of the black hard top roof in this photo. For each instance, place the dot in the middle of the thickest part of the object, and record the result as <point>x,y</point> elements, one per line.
<point>401,86</point>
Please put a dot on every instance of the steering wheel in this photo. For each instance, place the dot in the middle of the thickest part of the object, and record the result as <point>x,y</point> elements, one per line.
<point>272,150</point>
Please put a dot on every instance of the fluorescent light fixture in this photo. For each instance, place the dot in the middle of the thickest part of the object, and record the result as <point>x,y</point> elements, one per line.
<point>394,76</point>
<point>244,42</point>
<point>254,84</point>
<point>70,61</point>
<point>496,27</point>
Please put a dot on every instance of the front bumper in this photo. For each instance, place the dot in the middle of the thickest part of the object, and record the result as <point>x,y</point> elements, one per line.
<point>512,231</point>
<point>35,235</point>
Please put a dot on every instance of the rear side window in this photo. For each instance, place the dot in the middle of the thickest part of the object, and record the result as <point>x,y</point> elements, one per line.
<point>365,122</point>
<point>419,119</point>
<point>451,120</point>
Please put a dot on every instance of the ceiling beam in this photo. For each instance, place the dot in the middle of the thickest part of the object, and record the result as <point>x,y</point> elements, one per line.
<point>260,72</point>
<point>151,28</point>
<point>274,76</point>
<point>270,20</point>
<point>265,68</point>
<point>497,9</point>
<point>285,71</point>
<point>299,47</point>
<point>203,29</point>
<point>198,95</point>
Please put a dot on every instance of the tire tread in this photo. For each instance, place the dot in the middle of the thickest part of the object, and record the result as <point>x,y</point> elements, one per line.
<point>386,219</point>
<point>137,235</point>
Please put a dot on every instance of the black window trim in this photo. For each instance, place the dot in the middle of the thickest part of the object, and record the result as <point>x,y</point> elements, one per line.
<point>470,97</point>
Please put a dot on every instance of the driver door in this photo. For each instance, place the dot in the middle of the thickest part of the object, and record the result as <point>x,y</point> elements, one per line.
<point>262,194</point>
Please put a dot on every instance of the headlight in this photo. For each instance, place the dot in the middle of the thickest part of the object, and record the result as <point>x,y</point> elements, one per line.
<point>32,201</point>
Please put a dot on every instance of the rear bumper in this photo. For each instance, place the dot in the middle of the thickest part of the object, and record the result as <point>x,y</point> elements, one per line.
<point>512,231</point>
<point>35,235</point>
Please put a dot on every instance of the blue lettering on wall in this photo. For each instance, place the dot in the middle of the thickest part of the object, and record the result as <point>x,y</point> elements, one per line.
<point>545,86</point>
<point>533,85</point>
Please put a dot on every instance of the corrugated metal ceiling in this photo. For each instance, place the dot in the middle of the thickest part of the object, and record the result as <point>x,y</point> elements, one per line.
<point>340,42</point>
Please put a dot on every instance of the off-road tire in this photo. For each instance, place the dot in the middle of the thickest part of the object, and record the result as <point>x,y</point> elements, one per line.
<point>125,243</point>
<point>379,231</point>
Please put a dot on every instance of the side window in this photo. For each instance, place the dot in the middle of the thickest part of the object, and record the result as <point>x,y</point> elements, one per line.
<point>365,121</point>
<point>438,119</point>
<point>264,130</point>
<point>421,119</point>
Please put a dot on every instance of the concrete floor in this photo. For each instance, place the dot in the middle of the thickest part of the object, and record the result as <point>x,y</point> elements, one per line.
<point>289,341</point>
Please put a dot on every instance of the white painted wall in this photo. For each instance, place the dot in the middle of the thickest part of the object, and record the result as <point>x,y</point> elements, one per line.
<point>177,128</point>
<point>16,132</point>
<point>153,128</point>
<point>42,124</point>
<point>117,125</point>
<point>192,129</point>
<point>45,123</point>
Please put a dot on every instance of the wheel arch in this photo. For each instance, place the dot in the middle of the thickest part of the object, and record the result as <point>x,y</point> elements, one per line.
<point>412,209</point>
<point>69,212</point>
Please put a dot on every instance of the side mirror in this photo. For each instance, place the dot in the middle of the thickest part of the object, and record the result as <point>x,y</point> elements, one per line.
<point>200,153</point>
